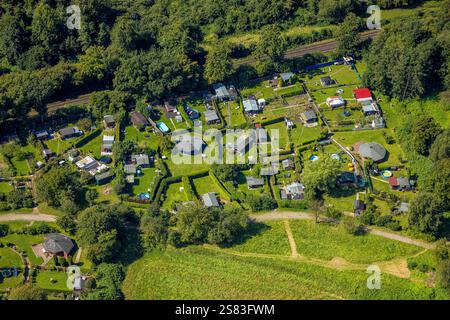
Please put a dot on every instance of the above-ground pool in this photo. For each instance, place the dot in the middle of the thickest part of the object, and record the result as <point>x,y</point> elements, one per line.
<point>163,127</point>
<point>335,156</point>
<point>144,196</point>
<point>386,174</point>
<point>313,158</point>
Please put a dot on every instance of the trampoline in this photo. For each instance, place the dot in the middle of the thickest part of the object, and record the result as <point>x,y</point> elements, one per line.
<point>335,156</point>
<point>386,174</point>
<point>144,196</point>
<point>314,158</point>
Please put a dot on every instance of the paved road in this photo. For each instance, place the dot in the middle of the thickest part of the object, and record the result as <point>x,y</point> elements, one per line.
<point>27,217</point>
<point>324,46</point>
<point>282,215</point>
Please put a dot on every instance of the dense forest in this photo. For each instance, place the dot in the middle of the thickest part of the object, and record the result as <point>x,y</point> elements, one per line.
<point>153,49</point>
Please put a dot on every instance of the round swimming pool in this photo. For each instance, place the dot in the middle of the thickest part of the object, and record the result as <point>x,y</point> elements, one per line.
<point>313,158</point>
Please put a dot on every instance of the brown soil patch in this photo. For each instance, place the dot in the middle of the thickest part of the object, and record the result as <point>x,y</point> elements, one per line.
<point>397,267</point>
<point>339,263</point>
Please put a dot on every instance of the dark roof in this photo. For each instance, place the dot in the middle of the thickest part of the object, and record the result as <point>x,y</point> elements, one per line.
<point>211,115</point>
<point>254,182</point>
<point>69,131</point>
<point>309,115</point>
<point>138,118</point>
<point>326,80</point>
<point>358,205</point>
<point>108,119</point>
<point>57,243</point>
<point>103,176</point>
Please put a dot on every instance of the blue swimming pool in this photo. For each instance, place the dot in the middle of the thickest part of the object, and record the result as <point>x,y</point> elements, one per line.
<point>163,127</point>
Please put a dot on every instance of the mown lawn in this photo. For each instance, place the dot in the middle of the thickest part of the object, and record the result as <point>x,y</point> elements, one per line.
<point>5,187</point>
<point>52,280</point>
<point>21,166</point>
<point>200,273</point>
<point>141,138</point>
<point>394,151</point>
<point>93,146</point>
<point>204,185</point>
<point>9,258</point>
<point>326,241</point>
<point>173,194</point>
<point>301,134</point>
<point>267,238</point>
<point>142,183</point>
<point>25,242</point>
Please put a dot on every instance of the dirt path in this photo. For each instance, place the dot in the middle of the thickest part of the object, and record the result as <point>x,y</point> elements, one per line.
<point>27,217</point>
<point>78,257</point>
<point>282,215</point>
<point>292,243</point>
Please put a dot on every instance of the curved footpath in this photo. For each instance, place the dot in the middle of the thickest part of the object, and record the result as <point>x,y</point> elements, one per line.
<point>282,215</point>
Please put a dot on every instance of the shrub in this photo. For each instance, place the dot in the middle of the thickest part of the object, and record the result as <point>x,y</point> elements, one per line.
<point>351,226</point>
<point>4,230</point>
<point>423,267</point>
<point>412,265</point>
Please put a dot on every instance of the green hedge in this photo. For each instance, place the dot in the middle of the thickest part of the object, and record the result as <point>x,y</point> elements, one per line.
<point>224,191</point>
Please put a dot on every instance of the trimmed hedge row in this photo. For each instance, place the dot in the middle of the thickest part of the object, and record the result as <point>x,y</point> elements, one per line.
<point>219,184</point>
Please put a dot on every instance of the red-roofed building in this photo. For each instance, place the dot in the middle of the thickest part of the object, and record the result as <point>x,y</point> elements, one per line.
<point>362,94</point>
<point>393,182</point>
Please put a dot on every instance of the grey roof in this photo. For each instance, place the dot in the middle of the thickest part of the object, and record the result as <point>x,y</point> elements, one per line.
<point>295,188</point>
<point>105,175</point>
<point>109,119</point>
<point>286,76</point>
<point>221,91</point>
<point>189,145</point>
<point>372,150</point>
<point>57,243</point>
<point>283,194</point>
<point>358,205</point>
<point>141,159</point>
<point>41,134</point>
<point>130,178</point>
<point>69,131</point>
<point>211,115</point>
<point>250,106</point>
<point>129,168</point>
<point>254,182</point>
<point>370,108</point>
<point>47,152</point>
<point>404,207</point>
<point>403,182</point>
<point>287,163</point>
<point>309,115</point>
<point>210,199</point>
<point>326,80</point>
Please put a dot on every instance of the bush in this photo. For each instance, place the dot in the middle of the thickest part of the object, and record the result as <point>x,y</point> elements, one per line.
<point>38,228</point>
<point>423,267</point>
<point>412,265</point>
<point>351,226</point>
<point>262,202</point>
<point>4,230</point>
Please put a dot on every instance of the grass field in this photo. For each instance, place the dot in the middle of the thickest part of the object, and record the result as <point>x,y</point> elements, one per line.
<point>268,238</point>
<point>5,187</point>
<point>93,146</point>
<point>142,183</point>
<point>326,242</point>
<point>25,242</point>
<point>9,258</point>
<point>201,273</point>
<point>204,185</point>
<point>52,280</point>
<point>142,139</point>
<point>173,194</point>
